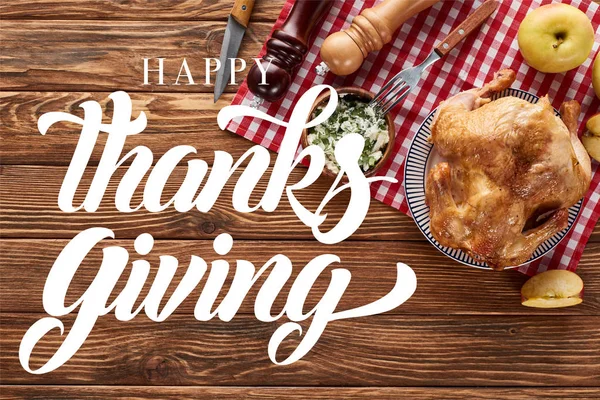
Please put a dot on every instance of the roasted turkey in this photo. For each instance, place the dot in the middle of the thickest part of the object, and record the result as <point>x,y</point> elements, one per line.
<point>512,170</point>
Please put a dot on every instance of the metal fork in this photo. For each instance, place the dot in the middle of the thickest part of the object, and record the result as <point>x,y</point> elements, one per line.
<point>397,88</point>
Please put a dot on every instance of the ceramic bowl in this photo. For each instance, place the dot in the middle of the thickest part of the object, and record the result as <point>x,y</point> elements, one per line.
<point>368,96</point>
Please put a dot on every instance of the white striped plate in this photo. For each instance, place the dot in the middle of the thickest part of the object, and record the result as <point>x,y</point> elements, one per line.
<point>422,156</point>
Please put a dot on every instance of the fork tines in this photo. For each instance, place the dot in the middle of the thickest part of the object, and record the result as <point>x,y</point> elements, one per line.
<point>390,94</point>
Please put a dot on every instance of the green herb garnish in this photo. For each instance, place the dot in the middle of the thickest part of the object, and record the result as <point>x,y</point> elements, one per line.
<point>353,115</point>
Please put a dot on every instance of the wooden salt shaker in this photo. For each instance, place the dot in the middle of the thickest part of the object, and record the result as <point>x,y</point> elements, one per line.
<point>344,52</point>
<point>286,50</point>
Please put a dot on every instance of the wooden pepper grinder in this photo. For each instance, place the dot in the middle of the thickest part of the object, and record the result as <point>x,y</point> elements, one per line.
<point>344,52</point>
<point>286,50</point>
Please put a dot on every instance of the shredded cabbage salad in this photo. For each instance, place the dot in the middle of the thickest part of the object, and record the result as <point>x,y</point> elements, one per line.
<point>353,115</point>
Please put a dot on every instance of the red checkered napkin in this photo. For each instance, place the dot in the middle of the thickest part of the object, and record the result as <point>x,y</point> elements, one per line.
<point>471,64</point>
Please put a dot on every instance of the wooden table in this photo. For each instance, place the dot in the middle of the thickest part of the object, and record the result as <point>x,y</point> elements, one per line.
<point>463,334</point>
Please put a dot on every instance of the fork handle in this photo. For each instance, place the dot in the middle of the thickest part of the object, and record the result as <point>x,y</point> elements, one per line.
<point>472,22</point>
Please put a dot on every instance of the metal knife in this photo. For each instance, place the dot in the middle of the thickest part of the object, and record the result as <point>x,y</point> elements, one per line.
<point>236,27</point>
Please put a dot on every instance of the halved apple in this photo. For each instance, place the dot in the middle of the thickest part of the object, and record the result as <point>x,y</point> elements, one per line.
<point>593,125</point>
<point>592,145</point>
<point>552,289</point>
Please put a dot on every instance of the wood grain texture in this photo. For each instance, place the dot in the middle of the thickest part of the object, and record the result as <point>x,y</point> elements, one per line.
<point>466,27</point>
<point>383,350</point>
<point>444,286</point>
<point>292,393</point>
<point>28,208</point>
<point>171,10</point>
<point>108,55</point>
<point>183,118</point>
<point>463,327</point>
<point>242,11</point>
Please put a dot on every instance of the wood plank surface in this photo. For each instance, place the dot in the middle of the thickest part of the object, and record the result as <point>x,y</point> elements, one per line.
<point>172,10</point>
<point>108,55</point>
<point>463,327</point>
<point>28,208</point>
<point>183,118</point>
<point>383,350</point>
<point>293,393</point>
<point>444,286</point>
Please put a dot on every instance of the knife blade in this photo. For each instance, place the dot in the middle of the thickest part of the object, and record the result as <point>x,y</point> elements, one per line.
<point>234,33</point>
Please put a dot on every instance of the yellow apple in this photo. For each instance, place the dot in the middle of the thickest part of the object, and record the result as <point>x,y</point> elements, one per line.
<point>592,145</point>
<point>552,289</point>
<point>596,75</point>
<point>556,38</point>
<point>591,139</point>
<point>593,124</point>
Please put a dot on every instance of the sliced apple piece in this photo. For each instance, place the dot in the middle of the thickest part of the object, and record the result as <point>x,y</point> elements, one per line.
<point>552,289</point>
<point>592,145</point>
<point>593,125</point>
<point>552,303</point>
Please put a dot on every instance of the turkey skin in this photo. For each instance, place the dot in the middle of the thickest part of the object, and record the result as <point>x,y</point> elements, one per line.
<point>512,171</point>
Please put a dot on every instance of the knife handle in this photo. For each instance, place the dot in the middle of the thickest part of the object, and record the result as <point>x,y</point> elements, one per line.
<point>473,21</point>
<point>241,11</point>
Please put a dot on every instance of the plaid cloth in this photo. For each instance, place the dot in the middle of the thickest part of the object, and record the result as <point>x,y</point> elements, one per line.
<point>471,64</point>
